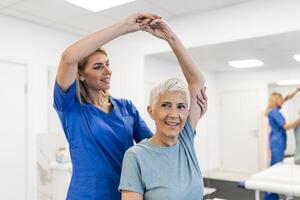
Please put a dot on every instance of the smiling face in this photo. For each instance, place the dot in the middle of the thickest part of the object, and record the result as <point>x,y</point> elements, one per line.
<point>97,72</point>
<point>170,114</point>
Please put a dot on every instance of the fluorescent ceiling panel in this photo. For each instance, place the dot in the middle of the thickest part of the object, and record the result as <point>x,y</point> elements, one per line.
<point>289,82</point>
<point>97,5</point>
<point>246,63</point>
<point>297,57</point>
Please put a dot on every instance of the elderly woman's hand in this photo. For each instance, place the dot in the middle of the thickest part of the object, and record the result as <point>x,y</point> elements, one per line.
<point>159,28</point>
<point>202,101</point>
<point>138,21</point>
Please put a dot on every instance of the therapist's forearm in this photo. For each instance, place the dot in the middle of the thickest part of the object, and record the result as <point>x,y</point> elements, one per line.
<point>291,125</point>
<point>292,94</point>
<point>128,195</point>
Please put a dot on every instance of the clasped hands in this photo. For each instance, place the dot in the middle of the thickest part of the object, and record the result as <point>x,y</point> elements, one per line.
<point>148,22</point>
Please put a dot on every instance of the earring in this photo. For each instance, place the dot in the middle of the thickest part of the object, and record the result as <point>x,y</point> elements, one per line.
<point>81,78</point>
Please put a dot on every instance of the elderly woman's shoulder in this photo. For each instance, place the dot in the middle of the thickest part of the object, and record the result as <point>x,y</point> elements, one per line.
<point>137,149</point>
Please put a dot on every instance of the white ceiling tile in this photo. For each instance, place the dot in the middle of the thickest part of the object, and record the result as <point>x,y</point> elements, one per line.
<point>124,10</point>
<point>10,2</point>
<point>90,22</point>
<point>238,1</point>
<point>54,10</point>
<point>70,29</point>
<point>25,16</point>
<point>181,7</point>
<point>7,3</point>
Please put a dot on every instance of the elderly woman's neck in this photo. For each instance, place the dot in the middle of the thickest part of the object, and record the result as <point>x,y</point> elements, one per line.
<point>160,140</point>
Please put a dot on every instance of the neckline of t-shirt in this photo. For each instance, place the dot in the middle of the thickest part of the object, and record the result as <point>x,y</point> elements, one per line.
<point>157,146</point>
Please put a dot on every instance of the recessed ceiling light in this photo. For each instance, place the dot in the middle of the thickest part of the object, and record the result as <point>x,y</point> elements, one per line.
<point>97,5</point>
<point>246,63</point>
<point>289,82</point>
<point>297,57</point>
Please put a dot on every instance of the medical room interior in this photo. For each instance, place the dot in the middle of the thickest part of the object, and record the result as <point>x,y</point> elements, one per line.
<point>232,142</point>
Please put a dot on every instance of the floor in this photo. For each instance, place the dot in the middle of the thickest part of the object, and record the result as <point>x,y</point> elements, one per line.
<point>231,190</point>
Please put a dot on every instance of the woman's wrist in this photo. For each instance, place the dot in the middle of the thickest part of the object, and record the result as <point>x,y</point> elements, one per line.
<point>120,28</point>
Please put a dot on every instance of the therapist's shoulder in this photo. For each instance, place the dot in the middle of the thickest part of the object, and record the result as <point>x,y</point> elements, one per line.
<point>125,105</point>
<point>121,101</point>
<point>273,112</point>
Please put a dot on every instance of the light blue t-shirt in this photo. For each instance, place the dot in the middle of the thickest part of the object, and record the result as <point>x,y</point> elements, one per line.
<point>163,173</point>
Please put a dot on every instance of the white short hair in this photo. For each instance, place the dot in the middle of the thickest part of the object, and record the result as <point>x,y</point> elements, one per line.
<point>169,85</point>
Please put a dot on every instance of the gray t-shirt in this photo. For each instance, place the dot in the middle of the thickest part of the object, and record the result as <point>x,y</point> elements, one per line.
<point>163,173</point>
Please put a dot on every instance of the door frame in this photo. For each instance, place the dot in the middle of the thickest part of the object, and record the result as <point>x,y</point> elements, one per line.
<point>29,169</point>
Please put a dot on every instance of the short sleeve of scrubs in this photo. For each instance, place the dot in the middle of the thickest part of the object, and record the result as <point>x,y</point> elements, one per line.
<point>140,129</point>
<point>64,100</point>
<point>277,117</point>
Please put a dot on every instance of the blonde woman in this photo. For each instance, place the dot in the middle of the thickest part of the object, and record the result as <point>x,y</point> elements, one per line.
<point>279,126</point>
<point>98,127</point>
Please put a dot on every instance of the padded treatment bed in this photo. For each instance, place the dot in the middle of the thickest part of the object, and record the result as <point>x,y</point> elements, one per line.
<point>282,178</point>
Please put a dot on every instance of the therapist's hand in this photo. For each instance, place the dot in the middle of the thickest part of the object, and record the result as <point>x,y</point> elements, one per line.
<point>202,101</point>
<point>138,21</point>
<point>160,29</point>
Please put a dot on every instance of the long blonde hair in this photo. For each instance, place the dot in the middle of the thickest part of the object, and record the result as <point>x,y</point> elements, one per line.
<point>272,103</point>
<point>81,91</point>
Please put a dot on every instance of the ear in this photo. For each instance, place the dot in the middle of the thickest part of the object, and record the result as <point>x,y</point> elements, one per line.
<point>150,111</point>
<point>80,75</point>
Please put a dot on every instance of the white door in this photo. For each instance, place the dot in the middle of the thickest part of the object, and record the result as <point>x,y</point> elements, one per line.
<point>239,118</point>
<point>13,156</point>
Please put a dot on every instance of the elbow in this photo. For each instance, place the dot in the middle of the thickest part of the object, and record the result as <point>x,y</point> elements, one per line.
<point>197,85</point>
<point>67,58</point>
<point>287,126</point>
<point>201,81</point>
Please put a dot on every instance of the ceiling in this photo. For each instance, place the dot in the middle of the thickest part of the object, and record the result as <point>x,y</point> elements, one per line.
<point>276,51</point>
<point>62,15</point>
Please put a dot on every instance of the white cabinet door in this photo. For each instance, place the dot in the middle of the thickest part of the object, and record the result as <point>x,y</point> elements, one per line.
<point>239,119</point>
<point>13,153</point>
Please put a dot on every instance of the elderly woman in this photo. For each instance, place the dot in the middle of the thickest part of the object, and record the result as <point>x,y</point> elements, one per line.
<point>165,166</point>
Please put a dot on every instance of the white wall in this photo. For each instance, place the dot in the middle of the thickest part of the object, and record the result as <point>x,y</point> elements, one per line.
<point>37,47</point>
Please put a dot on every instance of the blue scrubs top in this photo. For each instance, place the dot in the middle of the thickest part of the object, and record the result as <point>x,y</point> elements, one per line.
<point>278,135</point>
<point>97,142</point>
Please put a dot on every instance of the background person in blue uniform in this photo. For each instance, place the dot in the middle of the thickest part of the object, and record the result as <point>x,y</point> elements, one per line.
<point>278,125</point>
<point>98,127</point>
<point>165,166</point>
